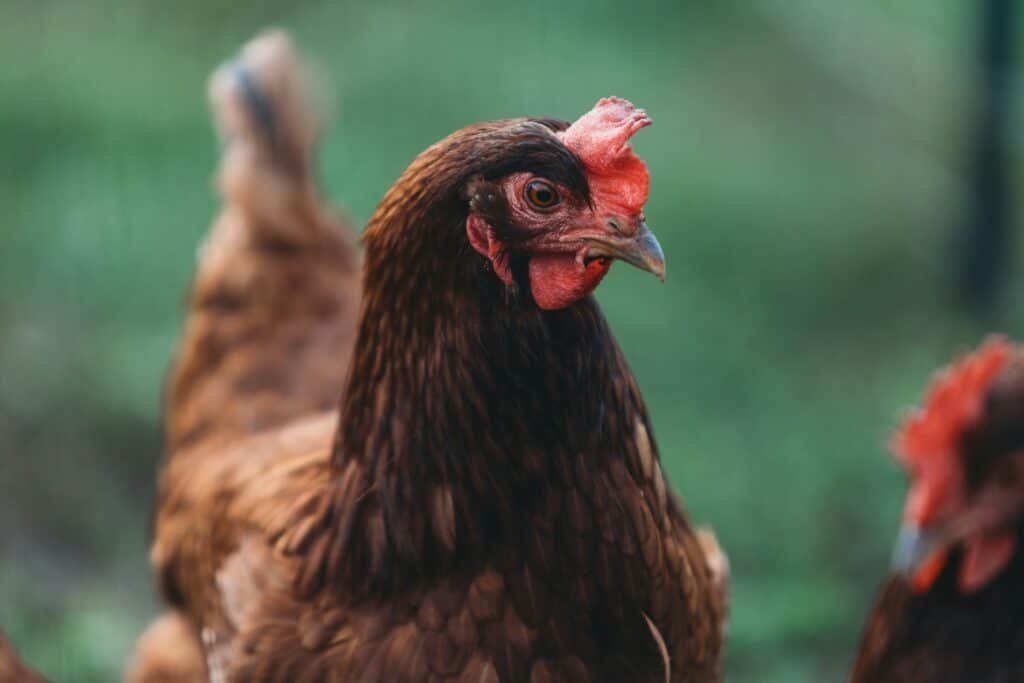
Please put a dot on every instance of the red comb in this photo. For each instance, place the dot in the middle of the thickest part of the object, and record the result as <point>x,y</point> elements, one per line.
<point>600,138</point>
<point>954,401</point>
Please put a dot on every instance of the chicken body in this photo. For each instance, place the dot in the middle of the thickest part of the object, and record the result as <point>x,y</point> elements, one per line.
<point>486,505</point>
<point>273,304</point>
<point>597,567</point>
<point>945,635</point>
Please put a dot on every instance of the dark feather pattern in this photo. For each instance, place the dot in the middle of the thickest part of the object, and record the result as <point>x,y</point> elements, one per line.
<point>492,507</point>
<point>945,635</point>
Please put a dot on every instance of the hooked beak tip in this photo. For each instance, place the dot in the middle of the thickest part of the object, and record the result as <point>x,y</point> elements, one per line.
<point>651,256</point>
<point>640,250</point>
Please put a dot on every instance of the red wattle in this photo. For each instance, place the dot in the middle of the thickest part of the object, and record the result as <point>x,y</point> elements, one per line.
<point>559,280</point>
<point>984,557</point>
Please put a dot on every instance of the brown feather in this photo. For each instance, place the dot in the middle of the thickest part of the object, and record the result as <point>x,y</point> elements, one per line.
<point>944,635</point>
<point>488,507</point>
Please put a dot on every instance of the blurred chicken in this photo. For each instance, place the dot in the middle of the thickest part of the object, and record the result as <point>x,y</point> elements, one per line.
<point>273,306</point>
<point>12,668</point>
<point>274,301</point>
<point>953,610</point>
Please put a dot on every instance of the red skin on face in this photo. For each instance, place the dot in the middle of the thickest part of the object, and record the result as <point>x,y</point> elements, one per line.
<point>928,446</point>
<point>984,557</point>
<point>559,280</point>
<point>618,181</point>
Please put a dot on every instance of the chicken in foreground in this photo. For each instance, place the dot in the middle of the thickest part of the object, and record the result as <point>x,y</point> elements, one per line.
<point>954,608</point>
<point>487,504</point>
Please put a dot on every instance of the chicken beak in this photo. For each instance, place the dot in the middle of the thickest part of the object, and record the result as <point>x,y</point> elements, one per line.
<point>913,547</point>
<point>920,552</point>
<point>641,249</point>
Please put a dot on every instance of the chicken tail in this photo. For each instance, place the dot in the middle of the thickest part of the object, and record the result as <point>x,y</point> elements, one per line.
<point>265,111</point>
<point>273,303</point>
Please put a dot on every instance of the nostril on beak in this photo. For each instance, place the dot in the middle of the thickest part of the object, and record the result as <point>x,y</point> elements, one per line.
<point>624,226</point>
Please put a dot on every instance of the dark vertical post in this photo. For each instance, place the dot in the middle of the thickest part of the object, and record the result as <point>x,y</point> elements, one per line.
<point>988,220</point>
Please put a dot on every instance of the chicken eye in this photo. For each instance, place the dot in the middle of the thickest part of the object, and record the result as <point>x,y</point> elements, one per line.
<point>541,194</point>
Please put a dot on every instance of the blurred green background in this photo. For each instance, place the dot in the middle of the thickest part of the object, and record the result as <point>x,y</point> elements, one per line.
<point>810,168</point>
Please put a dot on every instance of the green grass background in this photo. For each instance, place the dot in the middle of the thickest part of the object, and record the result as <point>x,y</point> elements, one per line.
<point>809,170</point>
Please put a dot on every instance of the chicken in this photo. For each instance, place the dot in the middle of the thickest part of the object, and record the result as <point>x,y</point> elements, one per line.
<point>12,668</point>
<point>952,611</point>
<point>274,303</point>
<point>487,503</point>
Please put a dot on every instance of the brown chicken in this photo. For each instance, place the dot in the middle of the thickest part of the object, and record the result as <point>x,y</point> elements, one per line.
<point>275,301</point>
<point>12,668</point>
<point>954,608</point>
<point>488,503</point>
